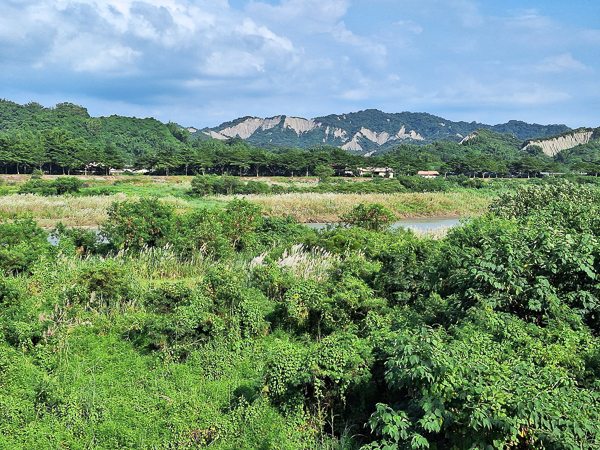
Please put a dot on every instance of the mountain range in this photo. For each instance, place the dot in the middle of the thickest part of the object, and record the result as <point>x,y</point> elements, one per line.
<point>364,132</point>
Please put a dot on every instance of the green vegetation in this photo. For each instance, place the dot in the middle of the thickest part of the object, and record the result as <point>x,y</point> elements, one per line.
<point>182,327</point>
<point>66,140</point>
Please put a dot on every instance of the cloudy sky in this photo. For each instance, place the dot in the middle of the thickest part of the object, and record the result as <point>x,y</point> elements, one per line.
<point>203,62</point>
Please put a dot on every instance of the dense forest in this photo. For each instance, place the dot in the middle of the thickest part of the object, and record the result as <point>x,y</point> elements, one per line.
<point>221,328</point>
<point>66,140</point>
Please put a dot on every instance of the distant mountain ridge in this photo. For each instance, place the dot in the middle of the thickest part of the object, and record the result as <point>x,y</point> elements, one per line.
<point>365,131</point>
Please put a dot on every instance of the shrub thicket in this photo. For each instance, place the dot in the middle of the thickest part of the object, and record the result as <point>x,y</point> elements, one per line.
<point>219,328</point>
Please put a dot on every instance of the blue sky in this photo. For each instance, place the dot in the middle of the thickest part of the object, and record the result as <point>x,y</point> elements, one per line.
<point>203,62</point>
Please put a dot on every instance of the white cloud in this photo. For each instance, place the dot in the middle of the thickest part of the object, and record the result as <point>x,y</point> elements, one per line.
<point>315,15</point>
<point>508,92</point>
<point>410,25</point>
<point>249,28</point>
<point>233,64</point>
<point>561,63</point>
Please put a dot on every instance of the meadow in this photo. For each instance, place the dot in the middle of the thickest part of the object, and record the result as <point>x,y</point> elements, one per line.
<point>90,210</point>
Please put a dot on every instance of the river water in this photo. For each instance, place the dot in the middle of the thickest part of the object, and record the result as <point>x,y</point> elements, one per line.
<point>420,224</point>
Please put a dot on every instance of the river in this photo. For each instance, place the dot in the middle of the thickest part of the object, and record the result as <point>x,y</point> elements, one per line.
<point>421,224</point>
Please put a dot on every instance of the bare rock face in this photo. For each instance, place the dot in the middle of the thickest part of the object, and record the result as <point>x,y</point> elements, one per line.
<point>353,145</point>
<point>412,134</point>
<point>556,145</point>
<point>467,137</point>
<point>378,138</point>
<point>337,133</point>
<point>215,135</point>
<point>300,125</point>
<point>373,130</point>
<point>249,126</point>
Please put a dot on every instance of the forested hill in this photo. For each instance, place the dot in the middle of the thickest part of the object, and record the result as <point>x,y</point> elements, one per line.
<point>131,137</point>
<point>366,131</point>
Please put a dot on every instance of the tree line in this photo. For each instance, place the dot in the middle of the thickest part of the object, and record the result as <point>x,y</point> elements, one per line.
<point>56,151</point>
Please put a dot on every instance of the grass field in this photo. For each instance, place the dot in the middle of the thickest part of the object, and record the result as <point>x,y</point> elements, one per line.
<point>71,211</point>
<point>328,207</point>
<point>304,207</point>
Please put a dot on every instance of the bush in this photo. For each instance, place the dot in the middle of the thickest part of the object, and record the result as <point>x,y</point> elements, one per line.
<point>60,186</point>
<point>373,216</point>
<point>526,199</point>
<point>226,185</point>
<point>22,243</point>
<point>134,225</point>
<point>106,282</point>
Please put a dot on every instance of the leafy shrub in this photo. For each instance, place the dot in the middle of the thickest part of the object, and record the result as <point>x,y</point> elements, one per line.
<point>496,383</point>
<point>201,231</point>
<point>59,186</point>
<point>373,216</point>
<point>526,199</point>
<point>165,296</point>
<point>67,185</point>
<point>316,377</point>
<point>106,282</point>
<point>22,242</point>
<point>306,304</point>
<point>240,221</point>
<point>133,225</point>
<point>529,270</point>
<point>85,242</point>
<point>37,186</point>
<point>272,280</point>
<point>226,185</point>
<point>280,232</point>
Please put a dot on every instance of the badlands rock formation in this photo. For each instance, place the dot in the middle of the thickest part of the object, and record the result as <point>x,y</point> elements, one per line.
<point>247,127</point>
<point>300,125</point>
<point>556,145</point>
<point>380,138</point>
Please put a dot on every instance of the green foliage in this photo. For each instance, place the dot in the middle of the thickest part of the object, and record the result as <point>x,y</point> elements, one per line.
<point>134,225</point>
<point>316,377</point>
<point>105,283</point>
<point>59,186</point>
<point>526,199</point>
<point>324,172</point>
<point>220,328</point>
<point>373,216</point>
<point>22,242</point>
<point>498,383</point>
<point>226,185</point>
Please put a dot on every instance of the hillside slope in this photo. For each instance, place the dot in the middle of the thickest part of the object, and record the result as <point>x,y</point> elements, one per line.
<point>365,131</point>
<point>553,145</point>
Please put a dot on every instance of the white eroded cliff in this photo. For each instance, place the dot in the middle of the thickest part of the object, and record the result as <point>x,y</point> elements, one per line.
<point>556,145</point>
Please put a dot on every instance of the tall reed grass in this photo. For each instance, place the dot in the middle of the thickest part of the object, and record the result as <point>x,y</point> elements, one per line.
<point>303,263</point>
<point>71,211</point>
<point>328,207</point>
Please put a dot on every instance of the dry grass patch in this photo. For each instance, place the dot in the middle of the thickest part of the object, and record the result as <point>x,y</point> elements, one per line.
<point>71,211</point>
<point>312,207</point>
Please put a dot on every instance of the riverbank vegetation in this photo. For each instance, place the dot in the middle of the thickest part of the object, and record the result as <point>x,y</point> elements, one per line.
<point>187,327</point>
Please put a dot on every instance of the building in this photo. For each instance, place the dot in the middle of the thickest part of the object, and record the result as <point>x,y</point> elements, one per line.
<point>428,173</point>
<point>375,171</point>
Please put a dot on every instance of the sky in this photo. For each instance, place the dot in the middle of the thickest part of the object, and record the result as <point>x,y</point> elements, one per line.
<point>203,62</point>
